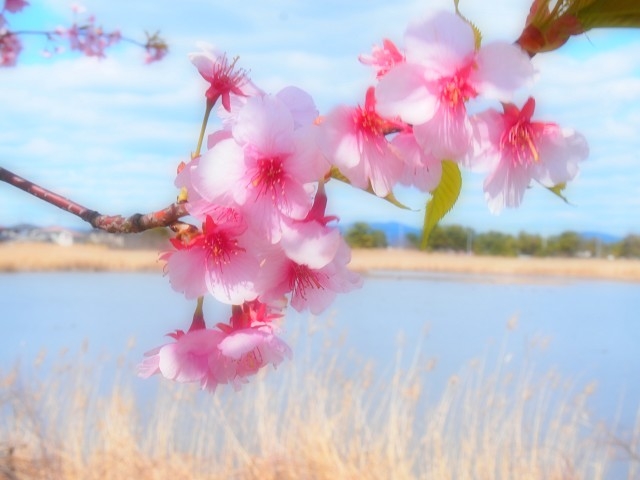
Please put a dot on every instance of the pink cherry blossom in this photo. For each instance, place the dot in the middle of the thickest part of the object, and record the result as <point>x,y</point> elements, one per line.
<point>90,39</point>
<point>215,261</point>
<point>14,6</point>
<point>422,169</point>
<point>249,345</point>
<point>354,140</point>
<point>441,73</point>
<point>268,168</point>
<point>188,358</point>
<point>227,354</point>
<point>10,47</point>
<point>516,150</point>
<point>223,77</point>
<point>383,58</point>
<point>309,288</point>
<point>309,263</point>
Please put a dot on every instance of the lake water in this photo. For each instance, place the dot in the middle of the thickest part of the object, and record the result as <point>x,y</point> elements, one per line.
<point>586,330</point>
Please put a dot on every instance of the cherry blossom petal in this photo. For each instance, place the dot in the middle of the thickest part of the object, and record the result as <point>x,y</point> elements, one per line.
<point>442,41</point>
<point>561,150</point>
<point>338,138</point>
<point>187,271</point>
<point>265,123</point>
<point>501,69</point>
<point>300,104</point>
<point>403,92</point>
<point>241,342</point>
<point>218,171</point>
<point>233,283</point>
<point>310,243</point>
<point>187,360</point>
<point>506,187</point>
<point>447,135</point>
<point>421,169</point>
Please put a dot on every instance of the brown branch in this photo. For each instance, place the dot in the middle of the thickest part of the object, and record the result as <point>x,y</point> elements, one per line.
<point>138,222</point>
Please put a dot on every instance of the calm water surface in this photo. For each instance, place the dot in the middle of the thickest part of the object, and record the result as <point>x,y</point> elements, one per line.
<point>586,330</point>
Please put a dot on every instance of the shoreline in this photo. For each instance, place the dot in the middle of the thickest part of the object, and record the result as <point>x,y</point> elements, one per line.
<point>42,257</point>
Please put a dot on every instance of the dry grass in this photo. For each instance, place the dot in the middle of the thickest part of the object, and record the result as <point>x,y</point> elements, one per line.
<point>16,257</point>
<point>410,260</point>
<point>28,257</point>
<point>309,420</point>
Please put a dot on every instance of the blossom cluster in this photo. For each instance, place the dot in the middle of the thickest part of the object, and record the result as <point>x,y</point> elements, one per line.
<point>258,191</point>
<point>425,88</point>
<point>83,36</point>
<point>265,240</point>
<point>227,354</point>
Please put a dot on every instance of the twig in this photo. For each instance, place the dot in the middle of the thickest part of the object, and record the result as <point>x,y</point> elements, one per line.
<point>136,223</point>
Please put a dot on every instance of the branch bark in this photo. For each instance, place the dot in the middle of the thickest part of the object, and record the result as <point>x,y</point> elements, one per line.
<point>167,217</point>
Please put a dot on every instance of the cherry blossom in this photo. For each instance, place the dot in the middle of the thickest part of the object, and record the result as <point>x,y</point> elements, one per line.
<point>354,140</point>
<point>442,71</point>
<point>249,345</point>
<point>227,354</point>
<point>10,47</point>
<point>383,58</point>
<point>266,242</point>
<point>267,169</point>
<point>216,261</point>
<point>86,37</point>
<point>14,6</point>
<point>309,264</point>
<point>188,358</point>
<point>516,150</point>
<point>223,77</point>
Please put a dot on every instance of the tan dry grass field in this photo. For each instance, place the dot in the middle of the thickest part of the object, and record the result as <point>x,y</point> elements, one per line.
<point>16,257</point>
<point>314,423</point>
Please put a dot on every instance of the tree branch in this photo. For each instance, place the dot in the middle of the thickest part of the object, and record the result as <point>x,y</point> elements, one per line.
<point>136,223</point>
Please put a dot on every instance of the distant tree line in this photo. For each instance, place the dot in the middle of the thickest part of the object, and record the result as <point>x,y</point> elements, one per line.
<point>456,238</point>
<point>567,244</point>
<point>362,235</point>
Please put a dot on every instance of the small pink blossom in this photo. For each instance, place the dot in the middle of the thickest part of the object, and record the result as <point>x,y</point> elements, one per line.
<point>309,288</point>
<point>354,140</point>
<point>14,6</point>
<point>309,263</point>
<point>516,150</point>
<point>223,77</point>
<point>225,355</point>
<point>441,73</point>
<point>382,59</point>
<point>88,38</point>
<point>215,261</point>
<point>188,358</point>
<point>10,48</point>
<point>249,345</point>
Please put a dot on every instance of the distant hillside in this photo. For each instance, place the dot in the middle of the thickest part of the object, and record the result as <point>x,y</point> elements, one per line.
<point>603,237</point>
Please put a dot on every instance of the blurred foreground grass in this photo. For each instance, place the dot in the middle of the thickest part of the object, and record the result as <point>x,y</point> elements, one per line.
<point>311,419</point>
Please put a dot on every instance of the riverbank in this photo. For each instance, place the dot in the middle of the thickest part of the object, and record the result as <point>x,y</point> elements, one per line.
<point>29,257</point>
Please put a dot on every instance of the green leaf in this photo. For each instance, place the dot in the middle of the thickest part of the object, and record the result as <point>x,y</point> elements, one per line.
<point>443,198</point>
<point>557,190</point>
<point>337,174</point>
<point>609,14</point>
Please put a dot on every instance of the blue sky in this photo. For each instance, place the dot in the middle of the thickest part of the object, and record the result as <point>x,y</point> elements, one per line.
<point>109,133</point>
